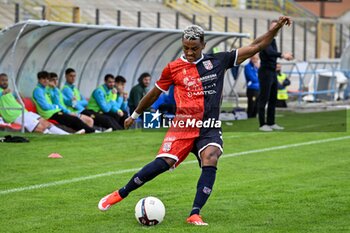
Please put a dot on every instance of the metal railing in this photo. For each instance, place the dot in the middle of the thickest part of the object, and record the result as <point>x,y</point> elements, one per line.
<point>312,81</point>
<point>287,7</point>
<point>316,78</point>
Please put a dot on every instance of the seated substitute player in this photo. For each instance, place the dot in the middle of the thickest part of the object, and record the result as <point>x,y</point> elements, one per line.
<point>76,102</point>
<point>198,82</point>
<point>48,110</point>
<point>58,99</point>
<point>32,121</point>
<point>119,109</point>
<point>72,97</point>
<point>101,104</point>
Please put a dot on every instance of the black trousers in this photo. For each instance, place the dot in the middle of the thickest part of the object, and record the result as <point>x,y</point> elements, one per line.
<point>268,95</point>
<point>252,108</point>
<point>71,122</point>
<point>281,104</point>
<point>102,120</point>
<point>120,120</point>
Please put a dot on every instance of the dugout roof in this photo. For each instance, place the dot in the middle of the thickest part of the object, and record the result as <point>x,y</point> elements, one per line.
<point>93,51</point>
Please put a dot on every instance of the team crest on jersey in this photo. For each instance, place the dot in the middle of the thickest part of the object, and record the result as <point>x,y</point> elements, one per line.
<point>167,146</point>
<point>208,65</point>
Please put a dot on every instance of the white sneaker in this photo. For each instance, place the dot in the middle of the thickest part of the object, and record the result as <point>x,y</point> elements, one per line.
<point>276,127</point>
<point>82,131</point>
<point>265,128</point>
<point>108,130</point>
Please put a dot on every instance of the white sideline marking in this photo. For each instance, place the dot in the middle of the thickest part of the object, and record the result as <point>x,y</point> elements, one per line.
<point>78,179</point>
<point>247,135</point>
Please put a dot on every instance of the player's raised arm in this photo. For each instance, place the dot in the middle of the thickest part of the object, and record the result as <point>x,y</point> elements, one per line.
<point>263,41</point>
<point>145,102</point>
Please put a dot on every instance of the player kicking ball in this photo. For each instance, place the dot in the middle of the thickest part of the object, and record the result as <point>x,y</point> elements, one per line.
<point>198,82</point>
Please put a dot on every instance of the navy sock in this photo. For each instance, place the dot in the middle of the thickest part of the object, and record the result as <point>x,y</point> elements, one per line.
<point>147,173</point>
<point>204,188</point>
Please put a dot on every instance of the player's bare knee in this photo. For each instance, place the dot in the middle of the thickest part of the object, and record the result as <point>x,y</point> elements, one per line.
<point>171,162</point>
<point>210,156</point>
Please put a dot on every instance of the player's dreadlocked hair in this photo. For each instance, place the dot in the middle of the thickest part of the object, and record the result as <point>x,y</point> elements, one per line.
<point>193,32</point>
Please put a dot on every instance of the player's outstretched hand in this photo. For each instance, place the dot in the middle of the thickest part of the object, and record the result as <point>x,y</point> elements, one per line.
<point>284,20</point>
<point>128,122</point>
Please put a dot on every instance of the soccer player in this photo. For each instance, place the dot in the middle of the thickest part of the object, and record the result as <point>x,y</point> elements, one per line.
<point>198,83</point>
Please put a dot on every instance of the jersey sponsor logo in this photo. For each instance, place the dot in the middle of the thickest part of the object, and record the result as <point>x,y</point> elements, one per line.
<point>209,86</point>
<point>208,65</point>
<point>204,92</point>
<point>208,78</point>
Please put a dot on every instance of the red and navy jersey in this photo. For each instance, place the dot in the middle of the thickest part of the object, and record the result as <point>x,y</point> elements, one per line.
<point>198,86</point>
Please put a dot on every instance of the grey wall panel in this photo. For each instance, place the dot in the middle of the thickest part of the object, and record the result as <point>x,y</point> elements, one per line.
<point>61,54</point>
<point>151,55</point>
<point>7,38</point>
<point>167,55</point>
<point>80,54</point>
<point>87,80</point>
<point>122,38</point>
<point>35,59</point>
<point>63,37</point>
<point>134,58</point>
<point>25,45</point>
<point>117,61</point>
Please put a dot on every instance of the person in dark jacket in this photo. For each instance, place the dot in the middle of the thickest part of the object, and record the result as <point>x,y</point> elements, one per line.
<point>139,91</point>
<point>268,84</point>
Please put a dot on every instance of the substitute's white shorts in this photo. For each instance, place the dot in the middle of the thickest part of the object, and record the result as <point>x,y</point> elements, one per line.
<point>31,120</point>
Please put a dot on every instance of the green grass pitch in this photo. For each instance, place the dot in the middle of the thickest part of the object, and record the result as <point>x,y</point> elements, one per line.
<point>266,182</point>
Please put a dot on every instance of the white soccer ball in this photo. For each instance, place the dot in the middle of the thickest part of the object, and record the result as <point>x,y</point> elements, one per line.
<point>149,211</point>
